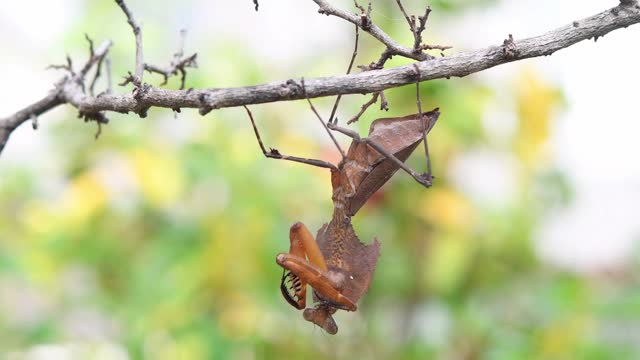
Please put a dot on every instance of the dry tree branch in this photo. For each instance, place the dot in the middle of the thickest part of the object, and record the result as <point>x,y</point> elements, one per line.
<point>353,59</point>
<point>457,65</point>
<point>68,66</point>
<point>178,64</point>
<point>96,76</point>
<point>70,89</point>
<point>364,22</point>
<point>54,98</point>
<point>137,80</point>
<point>418,48</point>
<point>364,107</point>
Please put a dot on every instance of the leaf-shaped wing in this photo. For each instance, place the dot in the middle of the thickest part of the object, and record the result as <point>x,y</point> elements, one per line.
<point>399,136</point>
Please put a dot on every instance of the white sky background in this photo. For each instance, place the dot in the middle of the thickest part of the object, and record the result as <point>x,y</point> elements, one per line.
<point>595,141</point>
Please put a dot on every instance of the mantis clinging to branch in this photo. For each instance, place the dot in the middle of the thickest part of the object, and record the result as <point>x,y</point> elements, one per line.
<point>336,264</point>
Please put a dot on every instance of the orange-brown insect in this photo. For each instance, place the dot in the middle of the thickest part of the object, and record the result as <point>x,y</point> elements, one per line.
<point>336,264</point>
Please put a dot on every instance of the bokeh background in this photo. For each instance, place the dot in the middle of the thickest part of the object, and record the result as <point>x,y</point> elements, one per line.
<point>158,240</point>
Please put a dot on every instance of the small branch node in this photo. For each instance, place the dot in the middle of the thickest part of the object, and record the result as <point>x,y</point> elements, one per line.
<point>291,89</point>
<point>384,105</point>
<point>204,108</point>
<point>365,16</point>
<point>98,117</point>
<point>143,112</point>
<point>140,91</point>
<point>34,121</point>
<point>135,80</point>
<point>509,48</point>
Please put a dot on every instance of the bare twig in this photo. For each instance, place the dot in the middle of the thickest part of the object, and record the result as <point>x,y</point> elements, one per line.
<point>7,125</point>
<point>95,77</point>
<point>68,66</point>
<point>384,105</point>
<point>130,78</point>
<point>94,57</point>
<point>422,21</point>
<point>353,58</point>
<point>435,47</point>
<point>313,108</point>
<point>91,52</point>
<point>54,98</point>
<point>387,54</point>
<point>177,65</point>
<point>364,108</point>
<point>365,15</point>
<point>424,125</point>
<point>137,80</point>
<point>367,25</point>
<point>416,29</point>
<point>173,69</point>
<point>107,65</point>
<point>406,16</point>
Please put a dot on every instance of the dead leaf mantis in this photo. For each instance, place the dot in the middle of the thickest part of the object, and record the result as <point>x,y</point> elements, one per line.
<point>336,264</point>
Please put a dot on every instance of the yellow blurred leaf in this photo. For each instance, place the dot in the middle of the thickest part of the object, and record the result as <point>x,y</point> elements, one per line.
<point>229,256</point>
<point>560,338</point>
<point>240,317</point>
<point>42,267</point>
<point>243,149</point>
<point>38,218</point>
<point>446,208</point>
<point>159,176</point>
<point>162,346</point>
<point>448,259</point>
<point>535,101</point>
<point>84,196</point>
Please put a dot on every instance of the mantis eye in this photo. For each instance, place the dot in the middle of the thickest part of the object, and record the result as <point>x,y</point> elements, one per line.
<point>293,290</point>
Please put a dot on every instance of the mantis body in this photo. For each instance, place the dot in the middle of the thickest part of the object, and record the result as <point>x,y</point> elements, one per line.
<point>336,264</point>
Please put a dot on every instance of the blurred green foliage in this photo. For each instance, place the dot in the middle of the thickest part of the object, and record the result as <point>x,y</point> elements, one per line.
<point>158,241</point>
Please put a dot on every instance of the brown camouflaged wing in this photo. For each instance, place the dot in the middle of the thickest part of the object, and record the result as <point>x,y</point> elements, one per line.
<point>400,136</point>
<point>345,254</point>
